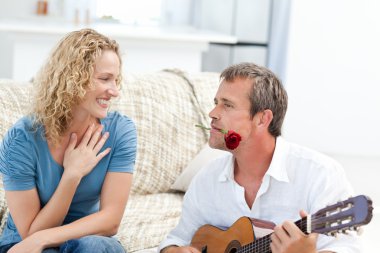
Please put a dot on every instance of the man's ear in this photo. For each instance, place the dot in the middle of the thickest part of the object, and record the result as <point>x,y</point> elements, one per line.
<point>266,118</point>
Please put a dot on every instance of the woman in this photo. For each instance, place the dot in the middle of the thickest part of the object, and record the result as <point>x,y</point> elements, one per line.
<point>67,167</point>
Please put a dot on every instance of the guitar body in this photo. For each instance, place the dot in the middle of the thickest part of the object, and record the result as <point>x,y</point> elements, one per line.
<point>228,241</point>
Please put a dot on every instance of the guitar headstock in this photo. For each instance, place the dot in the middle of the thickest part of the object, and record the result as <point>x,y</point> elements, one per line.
<point>342,216</point>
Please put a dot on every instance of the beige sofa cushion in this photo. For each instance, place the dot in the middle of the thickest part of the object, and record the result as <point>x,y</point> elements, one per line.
<point>3,206</point>
<point>148,219</point>
<point>165,111</point>
<point>14,103</point>
<point>205,156</point>
<point>205,85</point>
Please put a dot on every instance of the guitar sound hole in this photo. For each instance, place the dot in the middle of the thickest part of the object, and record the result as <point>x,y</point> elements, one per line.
<point>233,247</point>
<point>233,250</point>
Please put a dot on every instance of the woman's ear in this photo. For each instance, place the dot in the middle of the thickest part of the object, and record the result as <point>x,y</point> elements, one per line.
<point>266,118</point>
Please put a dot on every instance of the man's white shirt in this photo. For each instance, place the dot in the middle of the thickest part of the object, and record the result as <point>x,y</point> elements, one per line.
<point>298,179</point>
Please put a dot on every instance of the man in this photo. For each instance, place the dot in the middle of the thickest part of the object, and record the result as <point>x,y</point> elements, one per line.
<point>265,177</point>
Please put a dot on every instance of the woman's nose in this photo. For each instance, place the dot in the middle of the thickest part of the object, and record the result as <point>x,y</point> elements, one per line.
<point>113,91</point>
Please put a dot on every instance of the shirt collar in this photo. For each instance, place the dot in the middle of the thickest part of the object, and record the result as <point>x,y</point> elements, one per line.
<point>228,170</point>
<point>277,167</point>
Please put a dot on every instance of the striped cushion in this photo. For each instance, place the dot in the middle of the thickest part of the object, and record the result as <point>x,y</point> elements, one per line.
<point>148,219</point>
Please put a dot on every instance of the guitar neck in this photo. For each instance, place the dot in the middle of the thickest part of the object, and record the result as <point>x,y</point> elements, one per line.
<point>262,245</point>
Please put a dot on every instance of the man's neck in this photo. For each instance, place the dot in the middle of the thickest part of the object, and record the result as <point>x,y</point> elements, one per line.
<point>254,161</point>
<point>251,165</point>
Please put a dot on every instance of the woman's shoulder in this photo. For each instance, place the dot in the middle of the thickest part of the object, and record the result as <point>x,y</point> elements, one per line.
<point>117,120</point>
<point>16,149</point>
<point>22,128</point>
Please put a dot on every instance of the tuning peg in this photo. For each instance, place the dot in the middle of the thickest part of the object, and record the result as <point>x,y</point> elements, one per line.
<point>359,230</point>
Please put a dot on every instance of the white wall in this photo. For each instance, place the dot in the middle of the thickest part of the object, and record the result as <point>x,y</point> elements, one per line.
<point>58,10</point>
<point>332,76</point>
<point>177,13</point>
<point>17,8</point>
<point>28,8</point>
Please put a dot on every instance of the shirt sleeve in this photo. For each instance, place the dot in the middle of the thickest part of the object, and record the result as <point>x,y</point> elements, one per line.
<point>124,153</point>
<point>329,189</point>
<point>17,161</point>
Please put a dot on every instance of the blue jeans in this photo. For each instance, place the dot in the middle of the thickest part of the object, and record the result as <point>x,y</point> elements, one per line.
<point>91,243</point>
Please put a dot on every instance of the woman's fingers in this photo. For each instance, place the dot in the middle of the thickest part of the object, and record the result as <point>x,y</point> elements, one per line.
<point>101,142</point>
<point>102,154</point>
<point>95,137</point>
<point>87,136</point>
<point>72,141</point>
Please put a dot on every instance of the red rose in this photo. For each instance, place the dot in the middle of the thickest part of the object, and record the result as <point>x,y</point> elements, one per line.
<point>232,139</point>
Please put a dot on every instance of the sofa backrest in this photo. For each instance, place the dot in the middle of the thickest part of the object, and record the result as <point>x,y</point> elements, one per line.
<point>165,107</point>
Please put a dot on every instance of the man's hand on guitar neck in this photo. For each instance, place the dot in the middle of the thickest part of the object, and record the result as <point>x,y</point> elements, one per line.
<point>288,238</point>
<point>176,249</point>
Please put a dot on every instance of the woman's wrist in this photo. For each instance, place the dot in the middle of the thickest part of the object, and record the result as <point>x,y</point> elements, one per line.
<point>71,176</point>
<point>40,239</point>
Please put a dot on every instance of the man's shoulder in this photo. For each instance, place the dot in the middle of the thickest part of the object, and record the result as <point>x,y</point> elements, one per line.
<point>310,158</point>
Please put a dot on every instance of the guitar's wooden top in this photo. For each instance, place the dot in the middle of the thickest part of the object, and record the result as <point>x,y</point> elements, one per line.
<point>240,233</point>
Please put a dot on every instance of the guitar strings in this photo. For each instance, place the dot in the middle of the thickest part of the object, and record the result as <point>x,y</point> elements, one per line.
<point>262,245</point>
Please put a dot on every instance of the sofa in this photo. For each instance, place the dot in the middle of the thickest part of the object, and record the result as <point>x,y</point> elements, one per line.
<point>165,107</point>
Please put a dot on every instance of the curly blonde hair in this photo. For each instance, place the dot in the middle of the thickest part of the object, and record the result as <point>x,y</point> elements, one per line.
<point>65,78</point>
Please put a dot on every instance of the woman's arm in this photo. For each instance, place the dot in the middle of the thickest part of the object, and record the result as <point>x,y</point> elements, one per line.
<point>35,218</point>
<point>114,196</point>
<point>78,161</point>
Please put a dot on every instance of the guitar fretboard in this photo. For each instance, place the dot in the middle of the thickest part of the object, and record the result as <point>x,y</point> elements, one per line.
<point>262,245</point>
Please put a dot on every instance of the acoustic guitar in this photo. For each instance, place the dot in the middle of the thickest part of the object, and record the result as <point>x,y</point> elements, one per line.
<point>239,238</point>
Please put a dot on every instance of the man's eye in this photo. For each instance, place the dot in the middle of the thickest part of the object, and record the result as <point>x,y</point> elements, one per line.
<point>227,105</point>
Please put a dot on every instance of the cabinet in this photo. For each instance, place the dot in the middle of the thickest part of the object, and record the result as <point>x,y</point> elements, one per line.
<point>248,20</point>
